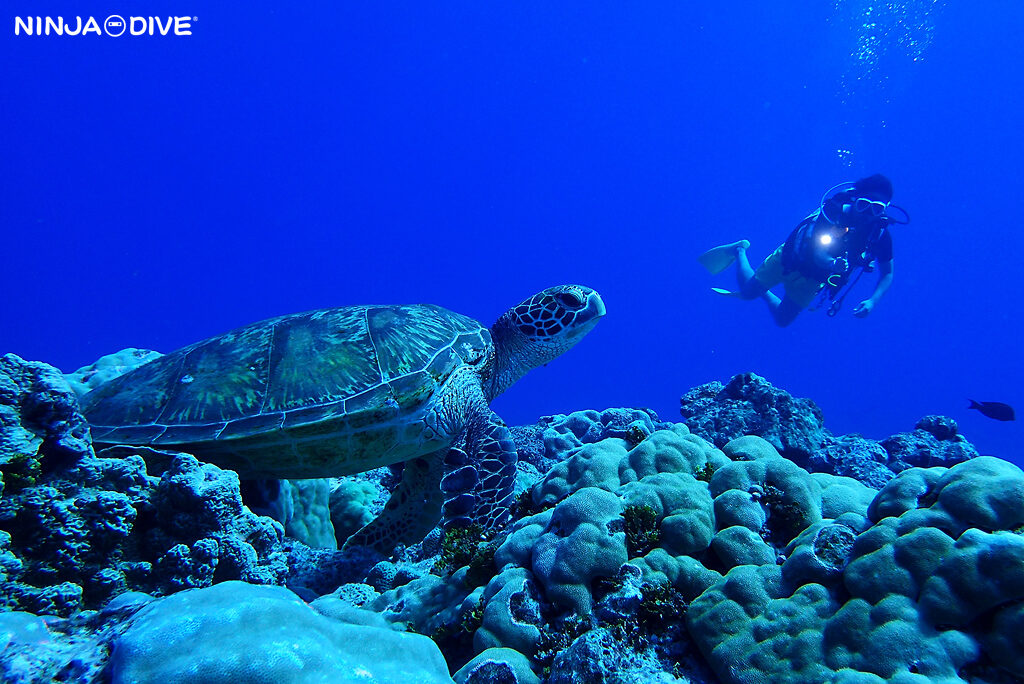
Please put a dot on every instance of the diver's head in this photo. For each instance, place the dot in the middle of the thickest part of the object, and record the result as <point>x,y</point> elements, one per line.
<point>858,203</point>
<point>877,188</point>
<point>871,195</point>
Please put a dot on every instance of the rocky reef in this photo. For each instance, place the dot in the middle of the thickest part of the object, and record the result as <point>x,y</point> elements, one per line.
<point>744,544</point>
<point>749,405</point>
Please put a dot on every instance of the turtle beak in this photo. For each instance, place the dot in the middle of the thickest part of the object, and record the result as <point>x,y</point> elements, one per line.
<point>588,316</point>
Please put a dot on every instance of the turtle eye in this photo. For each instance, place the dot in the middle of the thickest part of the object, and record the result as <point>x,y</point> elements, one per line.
<point>569,300</point>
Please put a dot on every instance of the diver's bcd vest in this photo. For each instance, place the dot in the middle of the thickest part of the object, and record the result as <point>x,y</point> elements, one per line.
<point>803,252</point>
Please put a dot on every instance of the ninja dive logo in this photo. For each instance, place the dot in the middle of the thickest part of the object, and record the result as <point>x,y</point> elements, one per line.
<point>115,25</point>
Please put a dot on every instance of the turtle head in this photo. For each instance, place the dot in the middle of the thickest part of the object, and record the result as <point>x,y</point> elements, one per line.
<point>541,328</point>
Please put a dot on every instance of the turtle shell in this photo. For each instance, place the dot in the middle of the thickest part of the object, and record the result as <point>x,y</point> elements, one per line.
<point>315,394</point>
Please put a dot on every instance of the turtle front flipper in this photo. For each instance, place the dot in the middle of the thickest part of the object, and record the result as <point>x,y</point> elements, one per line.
<point>478,490</point>
<point>412,511</point>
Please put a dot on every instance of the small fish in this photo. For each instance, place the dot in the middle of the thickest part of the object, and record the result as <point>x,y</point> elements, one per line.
<point>993,409</point>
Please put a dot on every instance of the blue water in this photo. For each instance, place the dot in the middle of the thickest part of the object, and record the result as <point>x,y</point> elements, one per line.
<point>158,190</point>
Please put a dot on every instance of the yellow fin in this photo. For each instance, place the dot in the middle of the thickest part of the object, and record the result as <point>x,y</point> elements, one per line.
<point>717,259</point>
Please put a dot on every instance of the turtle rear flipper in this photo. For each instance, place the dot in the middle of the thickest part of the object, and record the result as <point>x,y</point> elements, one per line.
<point>412,511</point>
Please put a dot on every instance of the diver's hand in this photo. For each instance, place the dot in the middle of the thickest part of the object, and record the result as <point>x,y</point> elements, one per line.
<point>864,308</point>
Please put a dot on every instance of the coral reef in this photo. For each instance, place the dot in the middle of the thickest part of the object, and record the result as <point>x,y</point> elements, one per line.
<point>748,544</point>
<point>232,632</point>
<point>77,529</point>
<point>107,368</point>
<point>497,665</point>
<point>303,507</point>
<point>749,405</point>
<point>896,590</point>
<point>773,572</point>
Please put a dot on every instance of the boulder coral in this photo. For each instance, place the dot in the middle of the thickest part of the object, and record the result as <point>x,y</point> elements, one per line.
<point>917,588</point>
<point>791,576</point>
<point>238,632</point>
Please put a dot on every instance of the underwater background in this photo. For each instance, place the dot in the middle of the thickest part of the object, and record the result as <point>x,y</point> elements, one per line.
<point>156,191</point>
<point>160,190</point>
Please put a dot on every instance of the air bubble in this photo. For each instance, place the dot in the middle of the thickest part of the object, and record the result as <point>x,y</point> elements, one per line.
<point>892,29</point>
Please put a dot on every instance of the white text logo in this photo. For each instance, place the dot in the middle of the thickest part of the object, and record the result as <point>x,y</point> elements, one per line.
<point>115,25</point>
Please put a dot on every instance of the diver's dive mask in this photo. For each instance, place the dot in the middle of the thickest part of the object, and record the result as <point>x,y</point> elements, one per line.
<point>877,208</point>
<point>860,205</point>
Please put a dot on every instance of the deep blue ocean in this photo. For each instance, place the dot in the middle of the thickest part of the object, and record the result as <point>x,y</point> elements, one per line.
<point>157,190</point>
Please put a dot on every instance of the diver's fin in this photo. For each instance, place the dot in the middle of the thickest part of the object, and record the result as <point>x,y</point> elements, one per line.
<point>717,259</point>
<point>724,292</point>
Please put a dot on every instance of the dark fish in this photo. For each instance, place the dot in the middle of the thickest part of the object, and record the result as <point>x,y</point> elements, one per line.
<point>993,409</point>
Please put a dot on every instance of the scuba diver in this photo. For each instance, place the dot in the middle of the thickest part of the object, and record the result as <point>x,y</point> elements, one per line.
<point>825,254</point>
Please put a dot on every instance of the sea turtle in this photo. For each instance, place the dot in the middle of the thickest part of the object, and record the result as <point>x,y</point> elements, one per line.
<point>340,391</point>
